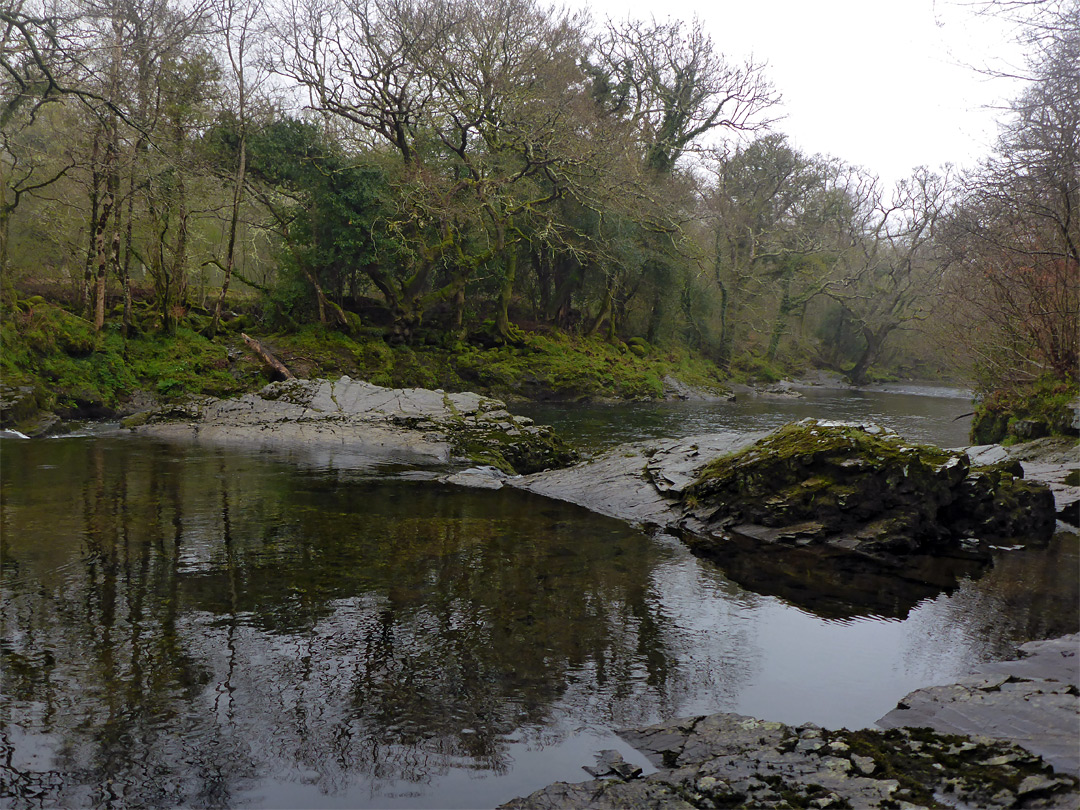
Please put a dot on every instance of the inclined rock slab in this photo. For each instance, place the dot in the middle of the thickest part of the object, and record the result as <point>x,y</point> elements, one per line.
<point>1033,702</point>
<point>727,760</point>
<point>637,482</point>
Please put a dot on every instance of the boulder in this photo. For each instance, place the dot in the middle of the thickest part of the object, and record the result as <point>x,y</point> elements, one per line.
<point>21,414</point>
<point>862,489</point>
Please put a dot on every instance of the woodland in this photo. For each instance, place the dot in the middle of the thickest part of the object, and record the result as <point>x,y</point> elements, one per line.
<point>467,175</point>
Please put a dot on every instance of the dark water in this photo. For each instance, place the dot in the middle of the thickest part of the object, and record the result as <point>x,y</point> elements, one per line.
<point>189,627</point>
<point>936,415</point>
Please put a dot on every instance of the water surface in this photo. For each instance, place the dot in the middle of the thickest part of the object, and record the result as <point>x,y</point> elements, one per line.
<point>196,627</point>
<point>936,415</point>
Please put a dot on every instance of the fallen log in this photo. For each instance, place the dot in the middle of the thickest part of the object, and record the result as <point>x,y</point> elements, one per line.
<point>264,354</point>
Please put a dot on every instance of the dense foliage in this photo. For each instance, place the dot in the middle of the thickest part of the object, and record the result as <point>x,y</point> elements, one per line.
<point>452,172</point>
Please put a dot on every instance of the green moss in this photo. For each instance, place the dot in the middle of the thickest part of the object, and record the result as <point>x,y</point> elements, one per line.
<point>831,480</point>
<point>921,759</point>
<point>1043,406</point>
<point>74,367</point>
<point>528,452</point>
<point>46,347</point>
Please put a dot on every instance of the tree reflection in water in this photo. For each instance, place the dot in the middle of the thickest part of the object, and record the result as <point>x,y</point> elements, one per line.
<point>198,628</point>
<point>179,624</point>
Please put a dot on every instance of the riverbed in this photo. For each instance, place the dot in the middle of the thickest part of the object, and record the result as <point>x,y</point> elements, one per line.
<point>204,627</point>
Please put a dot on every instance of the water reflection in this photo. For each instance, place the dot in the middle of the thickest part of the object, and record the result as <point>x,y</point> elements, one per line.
<point>837,585</point>
<point>189,627</point>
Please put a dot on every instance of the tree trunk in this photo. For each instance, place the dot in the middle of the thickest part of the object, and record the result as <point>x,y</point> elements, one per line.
<point>125,271</point>
<point>605,313</point>
<point>780,324</point>
<point>874,340</point>
<point>102,247</point>
<point>267,357</point>
<point>502,318</point>
<point>234,220</point>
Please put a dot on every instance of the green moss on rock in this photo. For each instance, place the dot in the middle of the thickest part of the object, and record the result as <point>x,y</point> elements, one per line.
<point>861,488</point>
<point>1043,407</point>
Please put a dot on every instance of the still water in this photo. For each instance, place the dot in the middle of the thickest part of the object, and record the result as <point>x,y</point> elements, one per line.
<point>194,627</point>
<point>936,415</point>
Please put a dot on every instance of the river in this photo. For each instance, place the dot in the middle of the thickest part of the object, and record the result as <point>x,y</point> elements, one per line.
<point>186,626</point>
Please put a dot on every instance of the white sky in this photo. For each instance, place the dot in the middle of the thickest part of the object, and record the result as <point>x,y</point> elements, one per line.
<point>885,84</point>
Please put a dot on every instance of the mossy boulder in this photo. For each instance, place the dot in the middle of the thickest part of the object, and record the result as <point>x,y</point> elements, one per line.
<point>861,488</point>
<point>21,412</point>
<point>511,444</point>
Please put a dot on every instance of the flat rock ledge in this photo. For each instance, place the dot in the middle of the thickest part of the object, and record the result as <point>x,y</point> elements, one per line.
<point>354,424</point>
<point>983,760</point>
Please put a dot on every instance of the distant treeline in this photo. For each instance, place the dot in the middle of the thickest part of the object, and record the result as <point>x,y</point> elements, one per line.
<point>448,170</point>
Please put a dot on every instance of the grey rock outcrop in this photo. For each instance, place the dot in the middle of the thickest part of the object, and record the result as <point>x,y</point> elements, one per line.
<point>855,488</point>
<point>677,390</point>
<point>21,414</point>
<point>860,488</point>
<point>638,482</point>
<point>1032,702</point>
<point>970,744</point>
<point>727,760</point>
<point>350,423</point>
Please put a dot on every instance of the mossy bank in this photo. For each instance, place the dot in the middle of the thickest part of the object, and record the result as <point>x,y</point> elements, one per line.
<point>63,366</point>
<point>1043,407</point>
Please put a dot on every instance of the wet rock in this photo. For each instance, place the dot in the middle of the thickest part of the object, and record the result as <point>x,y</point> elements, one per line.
<point>1053,460</point>
<point>20,412</point>
<point>1033,702</point>
<point>357,424</point>
<point>637,482</point>
<point>727,760</point>
<point>677,390</point>
<point>478,478</point>
<point>610,763</point>
<point>860,489</point>
<point>781,390</point>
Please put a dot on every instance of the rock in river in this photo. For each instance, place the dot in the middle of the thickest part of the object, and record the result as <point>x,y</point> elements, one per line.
<point>357,424</point>
<point>976,743</point>
<point>860,488</point>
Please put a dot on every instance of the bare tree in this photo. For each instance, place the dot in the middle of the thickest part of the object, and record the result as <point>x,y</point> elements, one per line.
<point>1014,238</point>
<point>889,281</point>
<point>239,25</point>
<point>367,62</point>
<point>669,79</point>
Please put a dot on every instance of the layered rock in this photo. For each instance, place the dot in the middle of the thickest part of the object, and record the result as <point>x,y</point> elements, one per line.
<point>851,488</point>
<point>860,488</point>
<point>21,414</point>
<point>353,423</point>
<point>1005,737</point>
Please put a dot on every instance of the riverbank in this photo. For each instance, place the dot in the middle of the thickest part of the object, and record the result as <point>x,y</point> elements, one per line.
<point>1004,737</point>
<point>56,369</point>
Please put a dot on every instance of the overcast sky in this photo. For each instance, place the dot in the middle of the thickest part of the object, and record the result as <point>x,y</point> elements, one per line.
<point>886,84</point>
